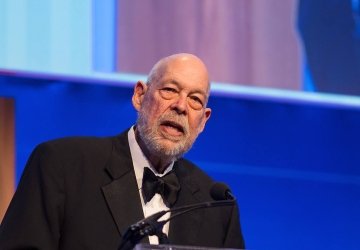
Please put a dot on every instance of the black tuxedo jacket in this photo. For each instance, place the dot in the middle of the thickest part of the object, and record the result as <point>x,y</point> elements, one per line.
<point>81,193</point>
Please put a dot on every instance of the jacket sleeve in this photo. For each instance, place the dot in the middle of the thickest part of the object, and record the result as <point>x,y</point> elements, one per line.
<point>33,219</point>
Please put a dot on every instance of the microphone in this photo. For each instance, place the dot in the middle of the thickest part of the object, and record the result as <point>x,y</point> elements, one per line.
<point>136,232</point>
<point>219,191</point>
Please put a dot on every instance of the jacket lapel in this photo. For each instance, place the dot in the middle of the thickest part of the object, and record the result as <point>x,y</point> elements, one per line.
<point>123,198</point>
<point>122,195</point>
<point>184,228</point>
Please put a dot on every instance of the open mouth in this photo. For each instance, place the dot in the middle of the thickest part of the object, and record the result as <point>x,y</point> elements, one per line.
<point>173,127</point>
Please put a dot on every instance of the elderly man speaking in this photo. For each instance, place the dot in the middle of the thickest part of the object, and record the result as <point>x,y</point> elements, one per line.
<point>84,192</point>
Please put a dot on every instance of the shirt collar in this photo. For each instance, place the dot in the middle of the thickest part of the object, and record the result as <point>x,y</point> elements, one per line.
<point>139,159</point>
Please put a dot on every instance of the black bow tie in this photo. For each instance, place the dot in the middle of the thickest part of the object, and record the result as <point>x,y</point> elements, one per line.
<point>167,186</point>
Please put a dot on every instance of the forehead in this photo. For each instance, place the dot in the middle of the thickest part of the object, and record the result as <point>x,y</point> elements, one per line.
<point>189,73</point>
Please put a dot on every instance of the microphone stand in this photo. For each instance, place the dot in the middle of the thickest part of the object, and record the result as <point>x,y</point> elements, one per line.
<point>139,230</point>
<point>150,226</point>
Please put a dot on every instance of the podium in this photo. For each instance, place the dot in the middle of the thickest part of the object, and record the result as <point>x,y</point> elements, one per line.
<point>146,246</point>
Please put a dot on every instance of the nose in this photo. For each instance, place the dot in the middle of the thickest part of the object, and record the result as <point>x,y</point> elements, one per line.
<point>179,105</point>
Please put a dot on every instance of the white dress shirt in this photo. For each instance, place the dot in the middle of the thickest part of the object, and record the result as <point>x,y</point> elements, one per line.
<point>156,204</point>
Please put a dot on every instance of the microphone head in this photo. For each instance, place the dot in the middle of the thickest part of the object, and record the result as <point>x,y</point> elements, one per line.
<point>219,191</point>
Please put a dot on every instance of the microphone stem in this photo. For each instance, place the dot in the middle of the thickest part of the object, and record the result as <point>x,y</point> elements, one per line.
<point>201,205</point>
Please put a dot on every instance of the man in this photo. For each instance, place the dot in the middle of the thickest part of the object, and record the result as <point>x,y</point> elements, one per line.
<point>84,192</point>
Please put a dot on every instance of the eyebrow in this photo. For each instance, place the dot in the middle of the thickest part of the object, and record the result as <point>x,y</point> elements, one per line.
<point>197,90</point>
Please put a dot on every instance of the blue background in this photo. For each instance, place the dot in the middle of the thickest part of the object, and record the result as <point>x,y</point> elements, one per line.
<point>293,167</point>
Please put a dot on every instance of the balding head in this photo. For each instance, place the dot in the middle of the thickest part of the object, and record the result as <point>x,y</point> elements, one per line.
<point>175,62</point>
<point>172,108</point>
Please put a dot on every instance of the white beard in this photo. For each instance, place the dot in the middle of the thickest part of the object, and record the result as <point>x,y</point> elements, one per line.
<point>153,140</point>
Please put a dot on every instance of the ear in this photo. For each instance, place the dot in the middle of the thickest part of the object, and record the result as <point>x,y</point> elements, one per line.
<point>205,118</point>
<point>139,92</point>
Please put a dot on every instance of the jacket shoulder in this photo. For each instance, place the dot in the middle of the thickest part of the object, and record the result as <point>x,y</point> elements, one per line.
<point>81,145</point>
<point>192,168</point>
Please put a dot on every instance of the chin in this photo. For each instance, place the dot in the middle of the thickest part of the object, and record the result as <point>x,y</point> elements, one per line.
<point>169,147</point>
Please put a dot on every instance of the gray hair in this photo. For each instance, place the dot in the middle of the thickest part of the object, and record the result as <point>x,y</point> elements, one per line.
<point>155,75</point>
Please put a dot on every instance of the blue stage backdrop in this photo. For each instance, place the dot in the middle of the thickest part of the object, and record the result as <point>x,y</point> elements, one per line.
<point>295,169</point>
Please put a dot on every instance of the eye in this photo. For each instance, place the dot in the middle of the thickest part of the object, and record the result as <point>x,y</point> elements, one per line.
<point>168,93</point>
<point>196,99</point>
<point>169,90</point>
<point>196,103</point>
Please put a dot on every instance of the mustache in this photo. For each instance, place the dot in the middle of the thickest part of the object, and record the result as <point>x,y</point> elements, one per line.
<point>175,118</point>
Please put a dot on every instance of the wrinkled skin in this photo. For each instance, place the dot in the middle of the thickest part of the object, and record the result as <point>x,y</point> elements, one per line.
<point>172,110</point>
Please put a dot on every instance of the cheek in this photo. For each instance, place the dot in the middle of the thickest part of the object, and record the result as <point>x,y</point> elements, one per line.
<point>195,123</point>
<point>154,110</point>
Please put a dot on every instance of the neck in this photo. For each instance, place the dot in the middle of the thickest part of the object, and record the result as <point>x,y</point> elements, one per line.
<point>159,163</point>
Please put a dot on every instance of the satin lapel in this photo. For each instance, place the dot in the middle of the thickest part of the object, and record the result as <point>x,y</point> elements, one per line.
<point>184,228</point>
<point>122,195</point>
